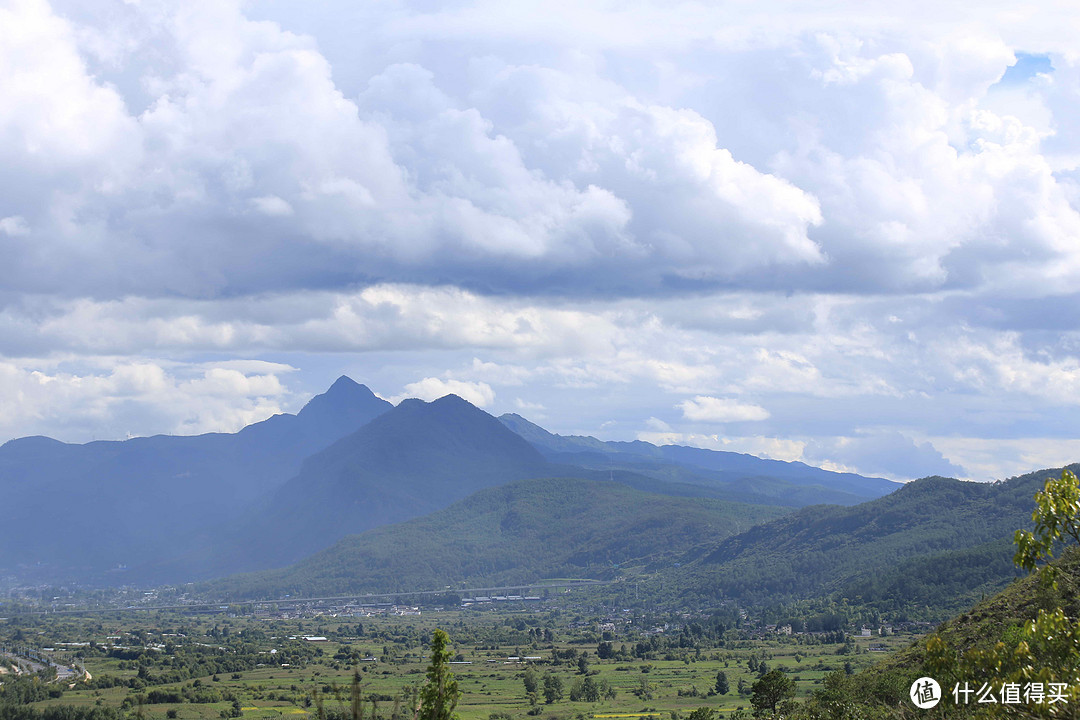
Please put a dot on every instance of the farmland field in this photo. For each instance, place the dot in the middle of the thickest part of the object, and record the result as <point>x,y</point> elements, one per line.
<point>623,665</point>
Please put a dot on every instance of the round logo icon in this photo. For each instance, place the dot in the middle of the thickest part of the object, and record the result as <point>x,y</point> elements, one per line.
<point>925,693</point>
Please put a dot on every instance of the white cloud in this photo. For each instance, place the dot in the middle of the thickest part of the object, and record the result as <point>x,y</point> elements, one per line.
<point>14,226</point>
<point>1001,365</point>
<point>273,206</point>
<point>656,425</point>
<point>710,409</point>
<point>864,158</point>
<point>403,181</point>
<point>80,402</point>
<point>477,393</point>
<point>773,448</point>
<point>883,453</point>
<point>1001,458</point>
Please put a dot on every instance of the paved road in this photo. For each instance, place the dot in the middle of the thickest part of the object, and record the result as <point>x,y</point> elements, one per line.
<point>63,672</point>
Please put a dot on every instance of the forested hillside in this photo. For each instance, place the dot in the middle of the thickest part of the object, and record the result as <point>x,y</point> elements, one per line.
<point>936,542</point>
<point>520,532</point>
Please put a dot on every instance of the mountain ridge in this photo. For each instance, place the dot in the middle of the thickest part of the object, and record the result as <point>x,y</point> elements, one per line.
<point>416,458</point>
<point>703,466</point>
<point>191,507</point>
<point>515,532</point>
<point>123,502</point>
<point>915,536</point>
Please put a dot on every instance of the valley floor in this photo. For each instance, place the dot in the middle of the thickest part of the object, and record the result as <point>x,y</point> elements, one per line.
<point>214,666</point>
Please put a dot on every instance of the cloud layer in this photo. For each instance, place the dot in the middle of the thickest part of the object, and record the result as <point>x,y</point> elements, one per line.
<point>847,236</point>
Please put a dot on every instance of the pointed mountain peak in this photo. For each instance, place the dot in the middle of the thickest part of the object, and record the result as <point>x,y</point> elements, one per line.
<point>344,389</point>
<point>345,384</point>
<point>346,398</point>
<point>344,380</point>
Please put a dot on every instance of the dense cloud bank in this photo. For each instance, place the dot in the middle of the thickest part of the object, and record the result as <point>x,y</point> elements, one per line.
<point>850,237</point>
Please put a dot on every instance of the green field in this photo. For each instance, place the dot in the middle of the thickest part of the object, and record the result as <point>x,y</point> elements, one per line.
<point>169,666</point>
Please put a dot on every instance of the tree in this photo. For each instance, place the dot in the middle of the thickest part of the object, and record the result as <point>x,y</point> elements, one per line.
<point>702,713</point>
<point>531,681</point>
<point>356,698</point>
<point>553,688</point>
<point>772,688</point>
<point>837,699</point>
<point>1056,517</point>
<point>586,690</point>
<point>440,693</point>
<point>722,686</point>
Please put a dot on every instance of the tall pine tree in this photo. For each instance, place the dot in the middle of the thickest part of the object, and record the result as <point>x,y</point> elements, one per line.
<point>440,693</point>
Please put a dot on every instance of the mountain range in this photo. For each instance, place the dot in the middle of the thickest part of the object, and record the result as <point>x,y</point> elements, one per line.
<point>173,509</point>
<point>928,549</point>
<point>76,511</point>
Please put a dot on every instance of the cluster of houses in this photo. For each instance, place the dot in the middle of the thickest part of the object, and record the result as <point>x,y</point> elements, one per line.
<point>485,599</point>
<point>328,609</point>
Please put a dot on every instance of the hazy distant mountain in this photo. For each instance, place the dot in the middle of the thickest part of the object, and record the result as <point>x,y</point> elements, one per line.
<point>519,532</point>
<point>417,458</point>
<point>75,510</point>
<point>421,457</point>
<point>173,509</point>
<point>791,483</point>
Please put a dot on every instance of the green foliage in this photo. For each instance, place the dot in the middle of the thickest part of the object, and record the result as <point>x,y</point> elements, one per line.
<point>722,687</point>
<point>1044,649</point>
<point>583,664</point>
<point>440,693</point>
<point>836,700</point>
<point>553,688</point>
<point>58,712</point>
<point>197,660</point>
<point>1056,517</point>
<point>1048,652</point>
<point>22,690</point>
<point>518,532</point>
<point>1028,633</point>
<point>770,690</point>
<point>589,689</point>
<point>531,681</point>
<point>935,542</point>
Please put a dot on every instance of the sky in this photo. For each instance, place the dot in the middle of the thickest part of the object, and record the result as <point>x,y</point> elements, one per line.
<point>846,233</point>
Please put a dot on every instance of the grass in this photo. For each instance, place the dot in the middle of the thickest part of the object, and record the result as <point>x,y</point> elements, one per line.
<point>489,685</point>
